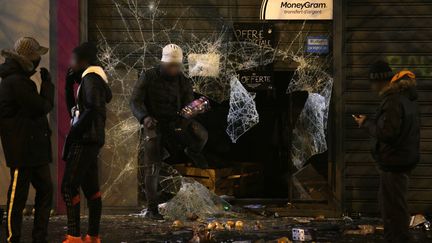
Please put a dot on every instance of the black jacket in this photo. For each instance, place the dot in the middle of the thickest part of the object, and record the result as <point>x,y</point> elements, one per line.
<point>24,127</point>
<point>93,95</point>
<point>159,96</point>
<point>396,128</point>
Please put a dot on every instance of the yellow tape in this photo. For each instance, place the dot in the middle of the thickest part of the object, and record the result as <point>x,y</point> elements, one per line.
<point>11,202</point>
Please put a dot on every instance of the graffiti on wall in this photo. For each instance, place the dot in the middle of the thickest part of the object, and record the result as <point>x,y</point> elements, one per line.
<point>420,65</point>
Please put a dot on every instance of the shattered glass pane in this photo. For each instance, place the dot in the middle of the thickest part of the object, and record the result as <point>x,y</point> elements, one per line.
<point>309,134</point>
<point>204,65</point>
<point>309,184</point>
<point>215,58</point>
<point>118,156</point>
<point>243,114</point>
<point>170,180</point>
<point>193,199</point>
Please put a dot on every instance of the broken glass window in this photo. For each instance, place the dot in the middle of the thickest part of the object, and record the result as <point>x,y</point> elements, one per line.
<point>243,114</point>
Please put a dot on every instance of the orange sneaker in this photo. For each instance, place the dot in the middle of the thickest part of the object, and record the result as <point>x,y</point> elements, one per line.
<point>72,239</point>
<point>92,239</point>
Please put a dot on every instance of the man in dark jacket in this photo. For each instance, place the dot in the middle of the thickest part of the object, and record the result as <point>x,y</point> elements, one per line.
<point>84,141</point>
<point>25,135</point>
<point>396,134</point>
<point>159,95</point>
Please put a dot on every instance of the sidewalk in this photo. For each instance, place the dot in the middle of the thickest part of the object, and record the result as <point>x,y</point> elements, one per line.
<point>117,229</point>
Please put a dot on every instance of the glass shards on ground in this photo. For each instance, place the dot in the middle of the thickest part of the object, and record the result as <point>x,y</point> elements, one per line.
<point>195,214</point>
<point>253,228</point>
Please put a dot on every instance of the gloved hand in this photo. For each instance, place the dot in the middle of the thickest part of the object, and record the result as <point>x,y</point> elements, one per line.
<point>71,77</point>
<point>45,75</point>
<point>149,122</point>
<point>74,114</point>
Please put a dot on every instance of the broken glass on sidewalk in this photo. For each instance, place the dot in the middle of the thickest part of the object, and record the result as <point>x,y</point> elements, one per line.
<point>184,198</point>
<point>194,199</point>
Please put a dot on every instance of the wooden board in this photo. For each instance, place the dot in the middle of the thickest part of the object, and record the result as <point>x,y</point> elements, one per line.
<point>242,180</point>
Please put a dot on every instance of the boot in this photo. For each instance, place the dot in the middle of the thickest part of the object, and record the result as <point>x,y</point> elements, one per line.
<point>151,186</point>
<point>153,214</point>
<point>92,239</point>
<point>72,239</point>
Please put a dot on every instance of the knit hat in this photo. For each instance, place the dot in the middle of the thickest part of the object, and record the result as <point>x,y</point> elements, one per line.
<point>401,75</point>
<point>172,53</point>
<point>380,71</point>
<point>87,51</point>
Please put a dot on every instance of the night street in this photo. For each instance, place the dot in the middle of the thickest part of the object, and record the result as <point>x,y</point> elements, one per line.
<point>227,120</point>
<point>122,229</point>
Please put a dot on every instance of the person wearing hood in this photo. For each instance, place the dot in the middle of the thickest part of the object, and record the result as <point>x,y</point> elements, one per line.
<point>157,99</point>
<point>395,131</point>
<point>84,141</point>
<point>25,135</point>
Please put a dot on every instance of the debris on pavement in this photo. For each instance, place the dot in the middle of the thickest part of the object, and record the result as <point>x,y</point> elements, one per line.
<point>132,229</point>
<point>361,230</point>
<point>239,225</point>
<point>417,220</point>
<point>302,234</point>
<point>177,224</point>
<point>194,200</point>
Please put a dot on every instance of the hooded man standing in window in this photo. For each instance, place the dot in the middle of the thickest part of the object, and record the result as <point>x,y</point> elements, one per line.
<point>158,97</point>
<point>395,131</point>
<point>25,135</point>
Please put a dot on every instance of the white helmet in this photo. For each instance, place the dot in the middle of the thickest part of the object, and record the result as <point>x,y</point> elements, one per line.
<point>172,53</point>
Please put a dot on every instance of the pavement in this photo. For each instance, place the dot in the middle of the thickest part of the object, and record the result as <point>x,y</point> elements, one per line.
<point>132,228</point>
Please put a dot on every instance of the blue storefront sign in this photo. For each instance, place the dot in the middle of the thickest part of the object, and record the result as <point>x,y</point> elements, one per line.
<point>317,44</point>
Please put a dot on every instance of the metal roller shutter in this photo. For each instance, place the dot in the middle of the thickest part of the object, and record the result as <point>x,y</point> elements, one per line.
<point>401,33</point>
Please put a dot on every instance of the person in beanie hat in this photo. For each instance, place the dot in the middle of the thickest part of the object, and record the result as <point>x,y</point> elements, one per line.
<point>395,131</point>
<point>84,141</point>
<point>157,98</point>
<point>26,135</point>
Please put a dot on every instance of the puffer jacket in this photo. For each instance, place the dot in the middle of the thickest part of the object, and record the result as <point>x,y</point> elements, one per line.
<point>93,95</point>
<point>24,127</point>
<point>159,96</point>
<point>396,127</point>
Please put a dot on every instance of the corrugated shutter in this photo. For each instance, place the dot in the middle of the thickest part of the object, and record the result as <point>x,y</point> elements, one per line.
<point>401,33</point>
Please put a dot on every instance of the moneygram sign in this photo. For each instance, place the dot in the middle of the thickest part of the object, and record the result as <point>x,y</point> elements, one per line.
<point>297,10</point>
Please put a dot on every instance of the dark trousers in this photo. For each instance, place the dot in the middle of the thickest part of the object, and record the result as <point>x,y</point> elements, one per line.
<point>82,172</point>
<point>185,133</point>
<point>394,207</point>
<point>40,178</point>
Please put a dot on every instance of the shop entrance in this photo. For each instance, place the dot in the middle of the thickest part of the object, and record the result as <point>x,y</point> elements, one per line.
<point>260,162</point>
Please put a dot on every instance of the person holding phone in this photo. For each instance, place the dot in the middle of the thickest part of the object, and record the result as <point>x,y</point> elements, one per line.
<point>395,131</point>
<point>159,97</point>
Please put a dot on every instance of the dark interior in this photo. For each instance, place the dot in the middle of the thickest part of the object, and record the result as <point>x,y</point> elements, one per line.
<point>267,144</point>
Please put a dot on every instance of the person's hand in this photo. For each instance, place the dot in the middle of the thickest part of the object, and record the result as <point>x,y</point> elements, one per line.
<point>149,122</point>
<point>45,75</point>
<point>359,119</point>
<point>186,112</point>
<point>70,77</point>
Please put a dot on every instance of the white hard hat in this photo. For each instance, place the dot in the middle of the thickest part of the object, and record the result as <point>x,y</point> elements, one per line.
<point>172,53</point>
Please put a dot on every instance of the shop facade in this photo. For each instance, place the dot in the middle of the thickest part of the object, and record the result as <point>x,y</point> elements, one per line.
<point>358,33</point>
